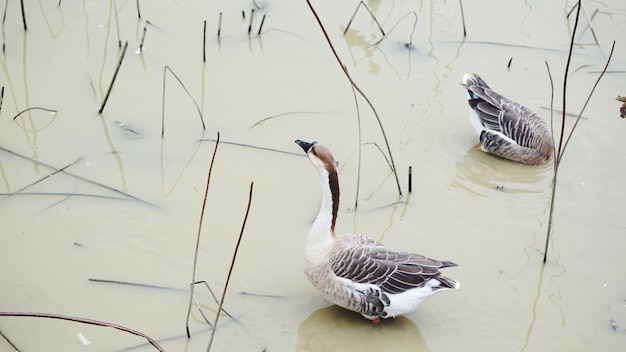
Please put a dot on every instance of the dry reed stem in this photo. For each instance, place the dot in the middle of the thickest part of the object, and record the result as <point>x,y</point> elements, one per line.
<point>232,264</point>
<point>358,89</point>
<point>560,150</point>
<point>117,25</point>
<point>261,25</point>
<point>195,256</point>
<point>23,14</point>
<point>1,98</point>
<point>84,321</point>
<point>10,342</point>
<point>251,19</point>
<point>463,18</point>
<point>4,20</point>
<point>117,70</point>
<point>46,177</point>
<point>360,157</point>
<point>76,176</point>
<point>143,38</point>
<point>28,109</point>
<point>165,69</point>
<point>138,10</point>
<point>204,42</point>
<point>219,27</point>
<point>253,147</point>
<point>361,3</point>
<point>136,284</point>
<point>216,301</point>
<point>397,23</point>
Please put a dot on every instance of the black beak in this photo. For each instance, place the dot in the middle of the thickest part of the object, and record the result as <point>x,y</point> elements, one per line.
<point>306,146</point>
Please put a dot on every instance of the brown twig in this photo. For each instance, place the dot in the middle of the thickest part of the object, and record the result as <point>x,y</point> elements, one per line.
<point>560,150</point>
<point>195,256</point>
<point>345,71</point>
<point>232,264</point>
<point>84,321</point>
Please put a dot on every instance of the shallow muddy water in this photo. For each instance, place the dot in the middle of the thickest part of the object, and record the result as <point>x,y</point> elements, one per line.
<point>125,208</point>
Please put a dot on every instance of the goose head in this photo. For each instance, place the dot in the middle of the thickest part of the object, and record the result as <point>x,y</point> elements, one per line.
<point>319,155</point>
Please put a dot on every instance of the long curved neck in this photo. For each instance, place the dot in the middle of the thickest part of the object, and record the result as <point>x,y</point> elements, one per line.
<point>327,216</point>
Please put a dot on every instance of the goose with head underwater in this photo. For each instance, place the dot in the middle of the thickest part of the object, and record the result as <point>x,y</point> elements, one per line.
<point>506,128</point>
<point>356,272</point>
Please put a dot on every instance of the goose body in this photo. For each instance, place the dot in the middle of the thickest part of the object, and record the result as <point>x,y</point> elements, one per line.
<point>356,272</point>
<point>506,128</point>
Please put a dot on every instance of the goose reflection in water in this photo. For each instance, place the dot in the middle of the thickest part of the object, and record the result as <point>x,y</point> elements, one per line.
<point>336,329</point>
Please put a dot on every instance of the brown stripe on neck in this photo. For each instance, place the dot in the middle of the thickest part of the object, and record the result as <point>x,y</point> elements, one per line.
<point>333,181</point>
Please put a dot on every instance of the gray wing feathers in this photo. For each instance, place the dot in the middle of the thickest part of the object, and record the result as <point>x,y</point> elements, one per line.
<point>392,271</point>
<point>513,120</point>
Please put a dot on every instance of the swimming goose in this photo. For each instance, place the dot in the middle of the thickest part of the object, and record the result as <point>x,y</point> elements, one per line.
<point>506,128</point>
<point>358,273</point>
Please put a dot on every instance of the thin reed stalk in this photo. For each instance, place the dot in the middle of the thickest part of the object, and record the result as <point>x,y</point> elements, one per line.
<point>138,10</point>
<point>589,19</point>
<point>4,20</point>
<point>463,18</point>
<point>135,284</point>
<point>23,14</point>
<point>143,38</point>
<point>204,42</point>
<point>46,177</point>
<point>219,27</point>
<point>28,109</point>
<point>397,23</point>
<point>361,3</point>
<point>1,98</point>
<point>84,321</point>
<point>251,20</point>
<point>230,270</point>
<point>195,256</point>
<point>410,179</point>
<point>358,89</point>
<point>360,156</point>
<point>9,342</point>
<point>579,5</point>
<point>165,70</point>
<point>261,25</point>
<point>117,25</point>
<point>76,176</point>
<point>561,147</point>
<point>253,147</point>
<point>117,70</point>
